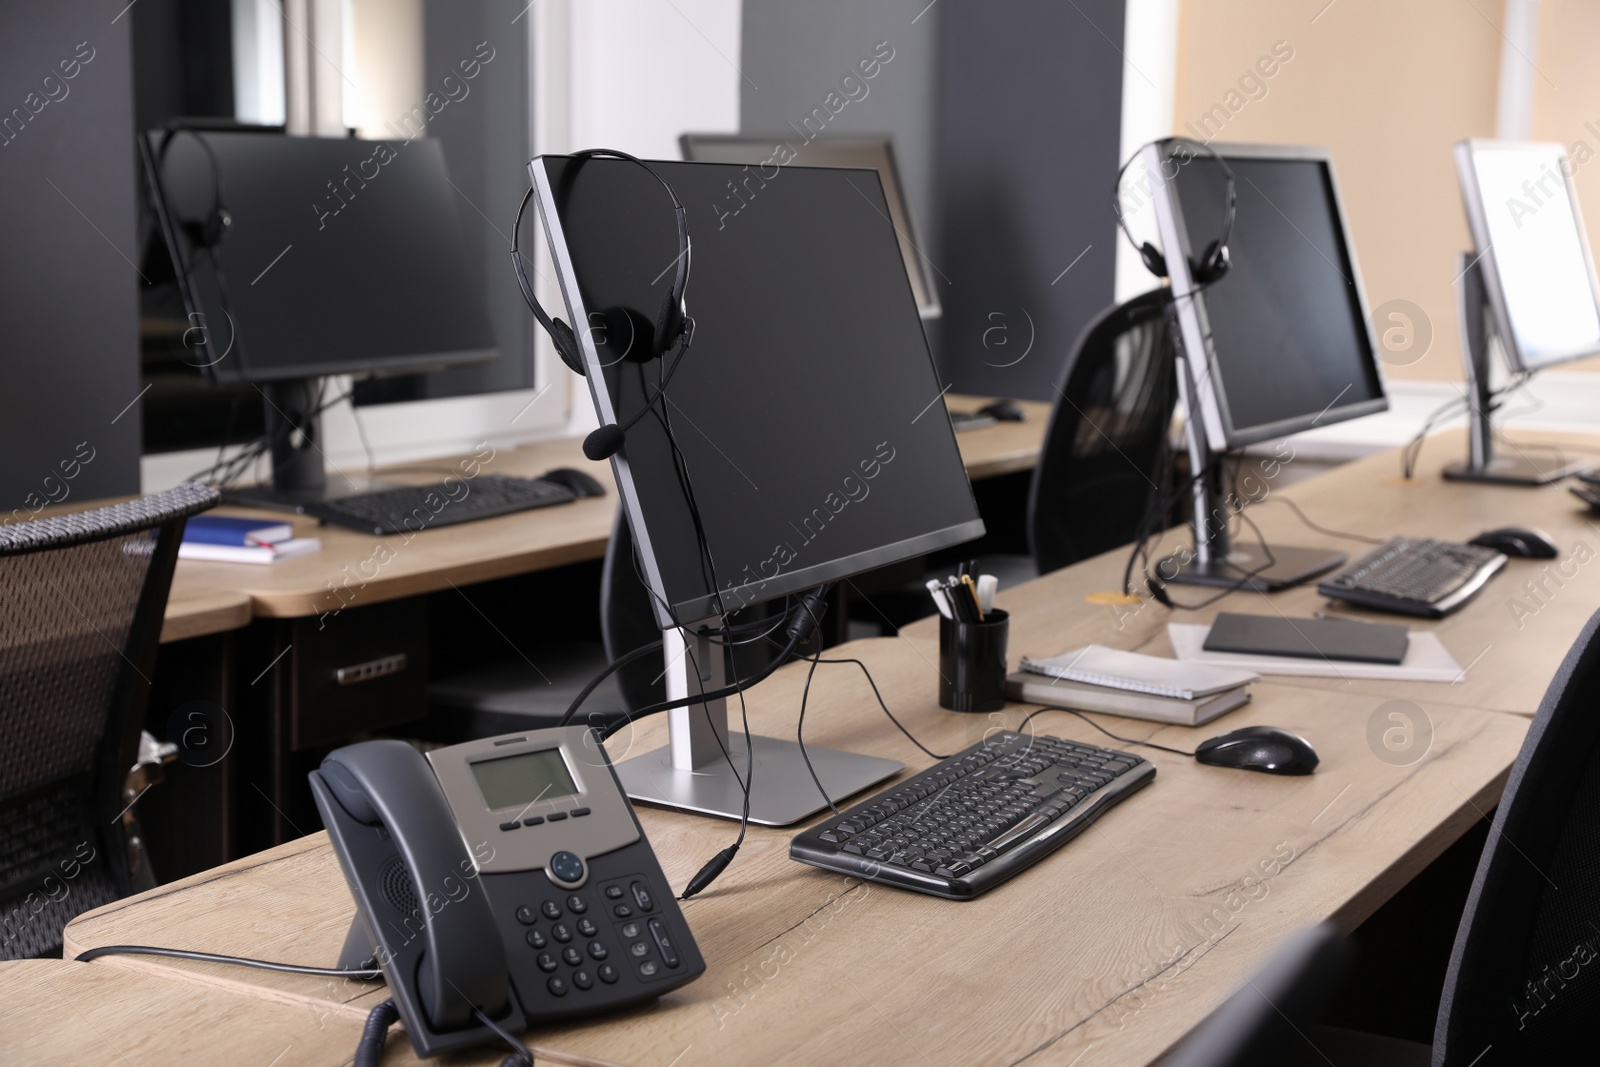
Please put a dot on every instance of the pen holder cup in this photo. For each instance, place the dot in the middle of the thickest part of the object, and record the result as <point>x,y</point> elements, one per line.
<point>972,663</point>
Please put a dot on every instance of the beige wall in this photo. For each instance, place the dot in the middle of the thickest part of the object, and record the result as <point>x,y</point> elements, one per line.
<point>1388,86</point>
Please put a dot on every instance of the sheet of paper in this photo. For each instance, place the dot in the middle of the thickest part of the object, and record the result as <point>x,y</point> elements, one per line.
<point>1427,660</point>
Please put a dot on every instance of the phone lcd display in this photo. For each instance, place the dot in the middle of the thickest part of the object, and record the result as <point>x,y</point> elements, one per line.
<point>523,779</point>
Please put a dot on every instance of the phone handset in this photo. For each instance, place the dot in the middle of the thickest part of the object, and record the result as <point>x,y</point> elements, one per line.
<point>432,930</point>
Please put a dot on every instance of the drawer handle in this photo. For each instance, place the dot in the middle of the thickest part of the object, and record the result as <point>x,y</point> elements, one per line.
<point>366,672</point>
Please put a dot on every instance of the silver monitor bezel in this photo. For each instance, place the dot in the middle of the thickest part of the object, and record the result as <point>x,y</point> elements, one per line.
<point>1216,416</point>
<point>889,177</point>
<point>1489,268</point>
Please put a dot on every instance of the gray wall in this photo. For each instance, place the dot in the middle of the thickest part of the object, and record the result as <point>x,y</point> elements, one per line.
<point>794,54</point>
<point>1006,120</point>
<point>69,326</point>
<point>1029,122</point>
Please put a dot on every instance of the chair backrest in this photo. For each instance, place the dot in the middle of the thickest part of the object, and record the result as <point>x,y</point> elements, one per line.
<point>1097,474</point>
<point>81,604</point>
<point>1263,1023</point>
<point>1524,976</point>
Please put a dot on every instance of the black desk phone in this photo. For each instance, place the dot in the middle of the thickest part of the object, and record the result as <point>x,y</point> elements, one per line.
<point>508,875</point>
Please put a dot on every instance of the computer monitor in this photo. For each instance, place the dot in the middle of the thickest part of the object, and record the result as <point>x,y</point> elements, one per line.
<point>766,152</point>
<point>1281,343</point>
<point>337,256</point>
<point>1530,280</point>
<point>806,413</point>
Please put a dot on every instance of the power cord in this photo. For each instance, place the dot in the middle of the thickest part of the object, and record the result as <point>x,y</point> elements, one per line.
<point>366,974</point>
<point>1102,729</point>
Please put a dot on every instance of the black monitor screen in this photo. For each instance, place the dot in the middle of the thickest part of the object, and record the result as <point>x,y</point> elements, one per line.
<point>807,412</point>
<point>342,255</point>
<point>1289,341</point>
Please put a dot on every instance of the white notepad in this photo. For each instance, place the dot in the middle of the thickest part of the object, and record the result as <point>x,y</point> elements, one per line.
<point>1139,673</point>
<point>1427,660</point>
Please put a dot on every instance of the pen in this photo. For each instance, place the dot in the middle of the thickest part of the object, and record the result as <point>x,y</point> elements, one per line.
<point>971,589</point>
<point>988,585</point>
<point>940,601</point>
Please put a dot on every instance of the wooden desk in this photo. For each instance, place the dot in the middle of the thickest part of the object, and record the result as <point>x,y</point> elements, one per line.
<point>1509,640</point>
<point>195,609</point>
<point>1108,952</point>
<point>58,1012</point>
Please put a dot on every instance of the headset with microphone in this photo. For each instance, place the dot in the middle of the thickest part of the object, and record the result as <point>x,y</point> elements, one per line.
<point>671,328</point>
<point>1213,262</point>
<point>208,231</point>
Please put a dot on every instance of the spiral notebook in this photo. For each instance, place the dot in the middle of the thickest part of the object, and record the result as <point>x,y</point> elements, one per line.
<point>1138,673</point>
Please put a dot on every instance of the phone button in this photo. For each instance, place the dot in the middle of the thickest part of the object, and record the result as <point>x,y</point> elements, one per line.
<point>551,909</point>
<point>587,928</point>
<point>536,939</point>
<point>557,987</point>
<point>556,816</point>
<point>578,813</point>
<point>597,950</point>
<point>512,825</point>
<point>532,820</point>
<point>659,932</point>
<point>613,892</point>
<point>526,915</point>
<point>560,932</point>
<point>566,868</point>
<point>608,973</point>
<point>547,962</point>
<point>572,956</point>
<point>642,896</point>
<point>576,905</point>
<point>582,980</point>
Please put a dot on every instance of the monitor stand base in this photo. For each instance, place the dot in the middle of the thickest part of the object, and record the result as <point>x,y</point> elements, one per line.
<point>781,793</point>
<point>1505,469</point>
<point>1291,566</point>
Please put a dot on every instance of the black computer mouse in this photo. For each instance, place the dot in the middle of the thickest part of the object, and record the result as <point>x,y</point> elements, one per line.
<point>1259,748</point>
<point>1005,411</point>
<point>579,483</point>
<point>1522,541</point>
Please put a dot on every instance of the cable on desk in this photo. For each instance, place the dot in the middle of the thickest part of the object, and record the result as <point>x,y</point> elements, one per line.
<point>1102,729</point>
<point>909,736</point>
<point>367,974</point>
<point>369,1052</point>
<point>1322,529</point>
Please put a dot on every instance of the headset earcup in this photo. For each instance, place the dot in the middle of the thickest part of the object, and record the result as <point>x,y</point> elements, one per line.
<point>1154,262</point>
<point>1213,263</point>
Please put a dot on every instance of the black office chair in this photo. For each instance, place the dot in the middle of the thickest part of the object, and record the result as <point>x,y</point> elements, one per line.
<point>1523,985</point>
<point>1097,474</point>
<point>513,694</point>
<point>1097,477</point>
<point>81,604</point>
<point>1525,973</point>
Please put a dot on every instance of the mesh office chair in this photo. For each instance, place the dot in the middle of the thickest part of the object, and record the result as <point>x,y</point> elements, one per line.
<point>1097,474</point>
<point>81,603</point>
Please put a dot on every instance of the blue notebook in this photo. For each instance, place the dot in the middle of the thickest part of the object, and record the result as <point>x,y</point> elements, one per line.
<point>222,530</point>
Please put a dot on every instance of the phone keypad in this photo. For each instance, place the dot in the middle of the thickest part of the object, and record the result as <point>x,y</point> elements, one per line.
<point>584,941</point>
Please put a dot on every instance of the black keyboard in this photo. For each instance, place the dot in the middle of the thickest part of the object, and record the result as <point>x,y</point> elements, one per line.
<point>1415,577</point>
<point>409,508</point>
<point>972,821</point>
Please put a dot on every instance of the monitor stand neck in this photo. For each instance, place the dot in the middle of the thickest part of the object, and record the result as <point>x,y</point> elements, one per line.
<point>294,426</point>
<point>696,770</point>
<point>1481,464</point>
<point>1213,560</point>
